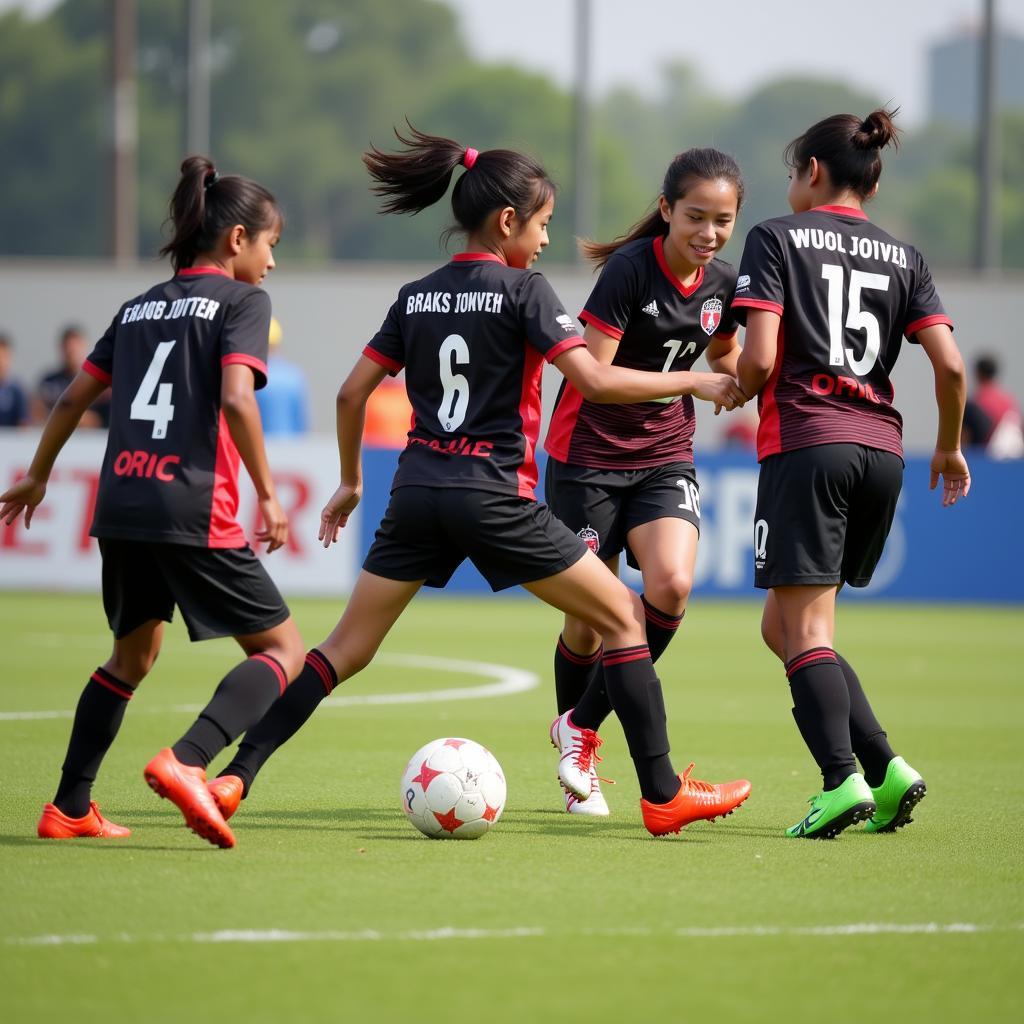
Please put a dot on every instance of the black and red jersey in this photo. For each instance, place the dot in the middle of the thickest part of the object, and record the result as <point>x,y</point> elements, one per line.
<point>170,472</point>
<point>661,325</point>
<point>472,337</point>
<point>847,293</point>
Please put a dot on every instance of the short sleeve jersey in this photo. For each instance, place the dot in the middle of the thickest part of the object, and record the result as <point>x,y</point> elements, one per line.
<point>170,472</point>
<point>847,293</point>
<point>661,325</point>
<point>473,337</point>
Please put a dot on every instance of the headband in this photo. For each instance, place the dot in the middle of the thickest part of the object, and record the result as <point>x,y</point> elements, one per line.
<point>469,158</point>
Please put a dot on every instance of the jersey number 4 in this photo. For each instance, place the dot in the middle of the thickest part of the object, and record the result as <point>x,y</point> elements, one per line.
<point>161,412</point>
<point>856,318</point>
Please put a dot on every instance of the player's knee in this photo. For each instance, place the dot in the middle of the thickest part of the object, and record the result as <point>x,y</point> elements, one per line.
<point>579,637</point>
<point>131,667</point>
<point>771,634</point>
<point>671,592</point>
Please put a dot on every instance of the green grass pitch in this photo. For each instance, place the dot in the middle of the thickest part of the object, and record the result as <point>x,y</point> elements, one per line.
<point>332,908</point>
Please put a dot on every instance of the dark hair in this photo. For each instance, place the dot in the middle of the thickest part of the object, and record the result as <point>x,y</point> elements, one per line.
<point>204,204</point>
<point>986,367</point>
<point>849,147</point>
<point>70,330</point>
<point>410,181</point>
<point>686,169</point>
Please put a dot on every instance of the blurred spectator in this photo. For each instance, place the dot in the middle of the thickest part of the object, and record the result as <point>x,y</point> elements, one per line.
<point>740,431</point>
<point>13,400</point>
<point>993,415</point>
<point>388,415</point>
<point>74,347</point>
<point>284,401</point>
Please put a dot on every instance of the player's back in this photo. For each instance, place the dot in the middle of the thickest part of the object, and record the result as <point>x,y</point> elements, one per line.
<point>170,470</point>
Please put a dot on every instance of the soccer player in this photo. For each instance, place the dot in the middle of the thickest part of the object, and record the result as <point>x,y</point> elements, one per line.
<point>183,361</point>
<point>827,297</point>
<point>622,476</point>
<point>473,337</point>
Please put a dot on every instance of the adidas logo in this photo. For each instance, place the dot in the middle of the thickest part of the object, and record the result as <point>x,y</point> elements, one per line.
<point>651,307</point>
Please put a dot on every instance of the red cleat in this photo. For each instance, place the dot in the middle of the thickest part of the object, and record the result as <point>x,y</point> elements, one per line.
<point>226,791</point>
<point>695,801</point>
<point>185,786</point>
<point>55,824</point>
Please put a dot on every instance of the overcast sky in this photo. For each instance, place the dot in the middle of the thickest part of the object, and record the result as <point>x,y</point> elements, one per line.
<point>734,44</point>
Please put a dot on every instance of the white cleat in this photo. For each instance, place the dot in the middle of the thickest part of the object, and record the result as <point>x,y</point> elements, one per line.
<point>595,806</point>
<point>578,748</point>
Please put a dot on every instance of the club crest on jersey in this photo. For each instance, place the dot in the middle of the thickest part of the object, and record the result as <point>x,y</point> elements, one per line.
<point>711,315</point>
<point>590,537</point>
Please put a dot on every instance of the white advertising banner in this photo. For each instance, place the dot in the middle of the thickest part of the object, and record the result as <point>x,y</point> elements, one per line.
<point>57,553</point>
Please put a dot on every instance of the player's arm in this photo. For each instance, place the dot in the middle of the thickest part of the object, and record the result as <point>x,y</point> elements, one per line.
<point>353,395</point>
<point>760,348</point>
<point>950,396</point>
<point>723,354</point>
<point>65,416</point>
<point>589,370</point>
<point>242,414</point>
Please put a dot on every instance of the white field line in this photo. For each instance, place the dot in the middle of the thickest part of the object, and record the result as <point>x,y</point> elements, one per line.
<point>507,681</point>
<point>277,935</point>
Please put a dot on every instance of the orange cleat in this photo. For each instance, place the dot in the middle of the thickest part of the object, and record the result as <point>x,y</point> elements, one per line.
<point>226,791</point>
<point>695,801</point>
<point>55,824</point>
<point>185,786</point>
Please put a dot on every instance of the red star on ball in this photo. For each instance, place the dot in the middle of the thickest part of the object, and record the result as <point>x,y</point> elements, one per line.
<point>448,821</point>
<point>490,814</point>
<point>426,776</point>
<point>454,743</point>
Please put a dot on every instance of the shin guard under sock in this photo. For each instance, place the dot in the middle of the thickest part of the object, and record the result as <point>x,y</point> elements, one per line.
<point>574,673</point>
<point>241,699</point>
<point>870,743</point>
<point>98,717</point>
<point>661,628</point>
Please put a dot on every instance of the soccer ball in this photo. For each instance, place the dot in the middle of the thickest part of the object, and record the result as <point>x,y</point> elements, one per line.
<point>453,789</point>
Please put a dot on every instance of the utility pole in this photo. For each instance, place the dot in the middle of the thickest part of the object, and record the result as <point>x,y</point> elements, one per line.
<point>987,256</point>
<point>197,127</point>
<point>582,158</point>
<point>125,134</point>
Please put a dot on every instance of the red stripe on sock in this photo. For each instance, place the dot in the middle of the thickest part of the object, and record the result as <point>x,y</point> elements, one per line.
<point>319,664</point>
<point>282,676</point>
<point>812,657</point>
<point>108,682</point>
<point>626,654</point>
<point>659,618</point>
<point>578,659</point>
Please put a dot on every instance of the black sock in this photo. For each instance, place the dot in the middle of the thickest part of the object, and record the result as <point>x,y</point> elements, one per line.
<point>661,627</point>
<point>573,674</point>
<point>870,743</point>
<point>635,693</point>
<point>285,717</point>
<point>98,716</point>
<point>821,707</point>
<point>242,697</point>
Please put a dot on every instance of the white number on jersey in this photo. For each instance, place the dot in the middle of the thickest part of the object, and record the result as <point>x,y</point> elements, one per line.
<point>673,346</point>
<point>161,412</point>
<point>856,318</point>
<point>455,400</point>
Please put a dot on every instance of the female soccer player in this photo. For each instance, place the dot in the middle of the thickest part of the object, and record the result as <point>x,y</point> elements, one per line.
<point>183,362</point>
<point>622,476</point>
<point>827,298</point>
<point>473,336</point>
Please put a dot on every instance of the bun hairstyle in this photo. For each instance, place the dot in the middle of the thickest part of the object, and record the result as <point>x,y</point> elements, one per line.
<point>204,204</point>
<point>417,177</point>
<point>849,147</point>
<point>686,169</point>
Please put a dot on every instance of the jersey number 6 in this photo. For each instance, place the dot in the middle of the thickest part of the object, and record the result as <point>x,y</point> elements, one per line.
<point>161,412</point>
<point>455,399</point>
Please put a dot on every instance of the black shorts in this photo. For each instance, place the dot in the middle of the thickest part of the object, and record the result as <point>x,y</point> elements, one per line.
<point>823,514</point>
<point>601,506</point>
<point>427,532</point>
<point>220,591</point>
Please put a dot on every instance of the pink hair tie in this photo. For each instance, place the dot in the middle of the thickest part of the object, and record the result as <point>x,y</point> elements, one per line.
<point>469,158</point>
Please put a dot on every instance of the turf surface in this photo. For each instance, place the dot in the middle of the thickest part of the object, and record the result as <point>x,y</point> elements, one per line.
<point>332,908</point>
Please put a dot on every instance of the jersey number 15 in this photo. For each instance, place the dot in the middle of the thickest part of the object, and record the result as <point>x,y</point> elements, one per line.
<point>856,318</point>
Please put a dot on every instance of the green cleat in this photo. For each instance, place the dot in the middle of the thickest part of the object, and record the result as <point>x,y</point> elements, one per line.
<point>900,792</point>
<point>835,809</point>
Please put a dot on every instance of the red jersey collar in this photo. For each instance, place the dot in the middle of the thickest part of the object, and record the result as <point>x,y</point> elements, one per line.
<point>686,290</point>
<point>844,211</point>
<point>467,257</point>
<point>194,271</point>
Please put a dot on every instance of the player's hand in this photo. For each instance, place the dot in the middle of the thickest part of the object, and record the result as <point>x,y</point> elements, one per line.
<point>274,530</point>
<point>956,477</point>
<point>721,389</point>
<point>336,512</point>
<point>23,496</point>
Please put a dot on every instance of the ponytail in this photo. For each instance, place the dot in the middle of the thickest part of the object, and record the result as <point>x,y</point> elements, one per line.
<point>417,177</point>
<point>849,147</point>
<point>205,204</point>
<point>686,169</point>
